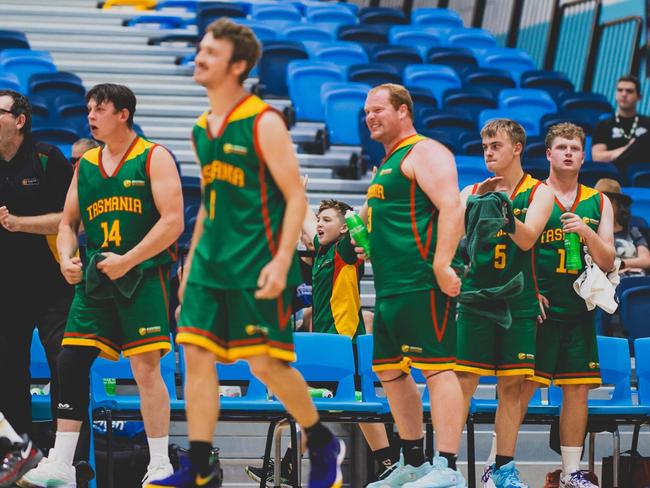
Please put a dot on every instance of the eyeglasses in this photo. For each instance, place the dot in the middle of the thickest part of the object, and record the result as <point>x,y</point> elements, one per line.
<point>5,111</point>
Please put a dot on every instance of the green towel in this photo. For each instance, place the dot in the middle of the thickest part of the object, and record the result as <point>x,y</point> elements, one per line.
<point>485,216</point>
<point>492,303</point>
<point>100,286</point>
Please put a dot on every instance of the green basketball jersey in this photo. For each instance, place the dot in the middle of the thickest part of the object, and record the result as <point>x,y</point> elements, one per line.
<point>118,211</point>
<point>505,259</point>
<point>335,289</point>
<point>402,225</point>
<point>244,206</point>
<point>555,280</point>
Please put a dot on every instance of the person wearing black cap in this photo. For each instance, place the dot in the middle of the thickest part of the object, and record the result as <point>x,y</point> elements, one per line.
<point>34,180</point>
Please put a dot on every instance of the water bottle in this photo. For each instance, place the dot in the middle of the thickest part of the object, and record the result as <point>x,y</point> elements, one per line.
<point>358,231</point>
<point>572,247</point>
<point>320,393</point>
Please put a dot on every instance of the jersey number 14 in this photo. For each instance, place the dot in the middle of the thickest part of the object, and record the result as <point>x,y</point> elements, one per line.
<point>112,233</point>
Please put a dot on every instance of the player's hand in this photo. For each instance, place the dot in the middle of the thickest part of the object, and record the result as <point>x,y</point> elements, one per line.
<point>272,279</point>
<point>71,269</point>
<point>9,221</point>
<point>114,266</point>
<point>488,185</point>
<point>543,306</point>
<point>360,251</point>
<point>448,281</point>
<point>573,223</point>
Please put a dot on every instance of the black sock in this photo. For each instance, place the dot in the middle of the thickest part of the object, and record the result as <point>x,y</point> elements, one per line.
<point>286,467</point>
<point>413,452</point>
<point>451,459</point>
<point>386,457</point>
<point>502,460</point>
<point>318,435</point>
<point>200,456</point>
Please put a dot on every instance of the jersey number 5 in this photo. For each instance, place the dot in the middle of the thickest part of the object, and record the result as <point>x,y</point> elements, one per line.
<point>500,256</point>
<point>112,234</point>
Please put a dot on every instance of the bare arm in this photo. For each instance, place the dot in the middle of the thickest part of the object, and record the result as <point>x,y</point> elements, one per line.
<point>600,153</point>
<point>434,170</point>
<point>168,198</point>
<point>66,240</point>
<point>539,210</point>
<point>282,162</point>
<point>46,224</point>
<point>642,261</point>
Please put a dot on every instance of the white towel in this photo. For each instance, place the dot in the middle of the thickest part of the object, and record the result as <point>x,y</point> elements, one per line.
<point>597,288</point>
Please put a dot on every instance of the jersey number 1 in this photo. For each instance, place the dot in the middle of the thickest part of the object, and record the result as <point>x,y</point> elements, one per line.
<point>112,234</point>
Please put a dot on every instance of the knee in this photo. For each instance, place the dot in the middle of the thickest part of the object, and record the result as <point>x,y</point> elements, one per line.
<point>266,369</point>
<point>391,376</point>
<point>75,361</point>
<point>146,372</point>
<point>579,393</point>
<point>198,359</point>
<point>510,388</point>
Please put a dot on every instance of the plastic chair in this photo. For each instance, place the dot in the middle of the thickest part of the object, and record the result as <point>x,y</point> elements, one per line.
<point>275,12</point>
<point>591,172</point>
<point>638,174</point>
<point>471,38</point>
<point>54,135</point>
<point>397,56</point>
<point>372,150</point>
<point>9,54</point>
<point>513,60</point>
<point>586,122</point>
<point>9,81</point>
<point>264,31</point>
<point>557,84</point>
<point>373,74</point>
<point>156,21</point>
<point>212,11</point>
<point>304,79</point>
<point>642,355</point>
<point>187,5</point>
<point>493,80</point>
<point>384,16</point>
<point>138,4</point>
<point>276,55</point>
<point>309,33</point>
<point>435,77</point>
<point>592,105</point>
<point>450,138</point>
<point>531,128</point>
<point>472,145</point>
<point>423,99</point>
<point>451,123</point>
<point>471,100</point>
<point>24,67</point>
<point>458,58</point>
<point>635,309</point>
<point>465,162</point>
<point>436,17</point>
<point>340,53</point>
<point>536,103</point>
<point>39,369</point>
<point>368,36</point>
<point>52,85</point>
<point>421,38</point>
<point>640,200</point>
<point>10,39</point>
<point>341,100</point>
<point>329,15</point>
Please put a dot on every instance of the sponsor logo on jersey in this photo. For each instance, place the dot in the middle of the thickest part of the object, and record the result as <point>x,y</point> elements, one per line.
<point>376,191</point>
<point>114,204</point>
<point>218,170</point>
<point>519,211</point>
<point>130,183</point>
<point>148,330</point>
<point>234,149</point>
<point>386,171</point>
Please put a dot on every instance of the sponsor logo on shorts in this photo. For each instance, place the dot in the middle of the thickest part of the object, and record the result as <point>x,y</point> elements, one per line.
<point>407,348</point>
<point>64,406</point>
<point>130,183</point>
<point>234,149</point>
<point>31,182</point>
<point>593,365</point>
<point>523,355</point>
<point>252,329</point>
<point>148,330</point>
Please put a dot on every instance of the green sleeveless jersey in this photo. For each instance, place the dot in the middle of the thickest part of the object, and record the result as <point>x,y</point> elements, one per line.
<point>335,289</point>
<point>244,206</point>
<point>555,280</point>
<point>505,259</point>
<point>402,225</point>
<point>118,211</point>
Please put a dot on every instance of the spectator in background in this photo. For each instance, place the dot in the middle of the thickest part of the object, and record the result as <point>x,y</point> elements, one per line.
<point>631,245</point>
<point>80,147</point>
<point>624,138</point>
<point>34,180</point>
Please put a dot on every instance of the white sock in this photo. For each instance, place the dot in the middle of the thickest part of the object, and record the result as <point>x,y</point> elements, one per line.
<point>570,459</point>
<point>65,445</point>
<point>6,430</point>
<point>158,448</point>
<point>493,450</point>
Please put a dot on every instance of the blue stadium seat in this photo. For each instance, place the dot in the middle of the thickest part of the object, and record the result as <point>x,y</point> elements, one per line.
<point>40,107</point>
<point>305,79</point>
<point>151,21</point>
<point>465,162</point>
<point>9,81</point>
<point>575,117</point>
<point>471,38</point>
<point>458,58</point>
<point>187,5</point>
<point>264,31</point>
<point>341,100</point>
<point>529,125</point>
<point>373,150</point>
<point>472,145</point>
<point>537,167</point>
<point>642,355</point>
<point>56,134</point>
<point>341,53</point>
<point>555,83</point>
<point>471,100</point>
<point>373,74</point>
<point>422,99</point>
<point>382,16</point>
<point>451,123</point>
<point>640,200</point>
<point>52,85</point>
<point>368,36</point>
<point>213,11</point>
<point>71,110</point>
<point>635,309</point>
<point>10,39</point>
<point>448,138</point>
<point>592,105</point>
<point>421,38</point>
<point>436,17</point>
<point>397,56</point>
<point>490,79</point>
<point>25,64</point>
<point>8,54</point>
<point>591,172</point>
<point>276,55</point>
<point>39,370</point>
<point>468,175</point>
<point>309,33</point>
<point>535,147</point>
<point>275,12</point>
<point>513,60</point>
<point>536,103</point>
<point>329,15</point>
<point>435,77</point>
<point>638,174</point>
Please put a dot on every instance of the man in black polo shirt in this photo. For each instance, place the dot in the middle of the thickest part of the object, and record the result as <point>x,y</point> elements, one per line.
<point>624,138</point>
<point>34,180</point>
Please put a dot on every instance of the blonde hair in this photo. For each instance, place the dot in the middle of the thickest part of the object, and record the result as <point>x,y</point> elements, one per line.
<point>566,130</point>
<point>398,96</point>
<point>512,129</point>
